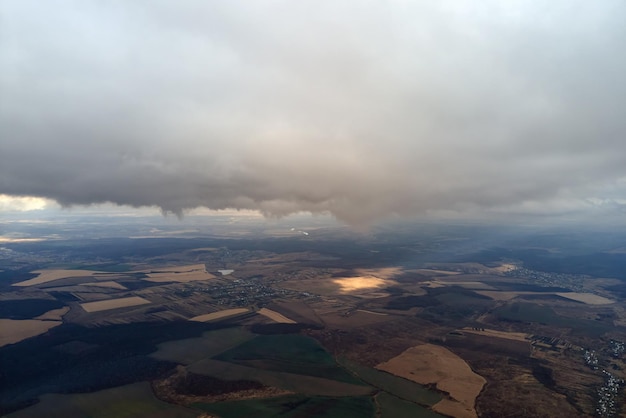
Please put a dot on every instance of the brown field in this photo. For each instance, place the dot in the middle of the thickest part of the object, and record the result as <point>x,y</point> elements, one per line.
<point>181,274</point>
<point>371,312</point>
<point>219,314</point>
<point>383,273</point>
<point>432,364</point>
<point>297,310</point>
<point>588,298</point>
<point>110,284</point>
<point>46,276</point>
<point>275,316</point>
<point>497,295</point>
<point>354,319</point>
<point>55,314</point>
<point>466,284</point>
<point>14,330</point>
<point>105,305</point>
<point>518,336</point>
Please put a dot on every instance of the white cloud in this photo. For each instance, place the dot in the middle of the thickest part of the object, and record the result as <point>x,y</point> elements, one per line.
<point>363,110</point>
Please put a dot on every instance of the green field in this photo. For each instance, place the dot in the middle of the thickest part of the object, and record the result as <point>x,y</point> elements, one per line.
<point>288,353</point>
<point>402,388</point>
<point>392,407</point>
<point>130,401</point>
<point>530,312</point>
<point>210,344</point>
<point>294,406</point>
<point>308,385</point>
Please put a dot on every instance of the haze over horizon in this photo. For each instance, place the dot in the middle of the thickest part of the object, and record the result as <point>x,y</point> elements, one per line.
<point>362,110</point>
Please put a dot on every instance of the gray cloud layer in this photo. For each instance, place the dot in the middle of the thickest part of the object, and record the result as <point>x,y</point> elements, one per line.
<point>363,109</point>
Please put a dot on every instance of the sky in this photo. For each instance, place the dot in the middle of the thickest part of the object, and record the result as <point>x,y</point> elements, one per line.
<point>359,109</point>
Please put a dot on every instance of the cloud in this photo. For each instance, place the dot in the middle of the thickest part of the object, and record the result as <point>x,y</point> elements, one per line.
<point>21,204</point>
<point>363,110</point>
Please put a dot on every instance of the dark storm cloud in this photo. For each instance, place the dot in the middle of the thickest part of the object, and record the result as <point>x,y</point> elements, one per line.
<point>360,109</point>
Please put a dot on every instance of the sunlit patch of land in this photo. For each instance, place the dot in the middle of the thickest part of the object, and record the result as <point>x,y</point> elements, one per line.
<point>432,364</point>
<point>367,279</point>
<point>180,274</point>
<point>352,284</point>
<point>46,276</point>
<point>105,305</point>
<point>16,330</point>
<point>219,314</point>
<point>275,316</point>
<point>55,314</point>
<point>588,298</point>
<point>109,284</point>
<point>517,336</point>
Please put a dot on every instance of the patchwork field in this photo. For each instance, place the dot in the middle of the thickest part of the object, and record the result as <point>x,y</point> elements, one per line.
<point>181,274</point>
<point>211,343</point>
<point>105,305</point>
<point>288,353</point>
<point>397,386</point>
<point>517,336</point>
<point>588,298</point>
<point>275,316</point>
<point>45,276</point>
<point>432,364</point>
<point>16,330</point>
<point>214,316</point>
<point>293,382</point>
<point>506,295</point>
<point>54,315</point>
<point>109,284</point>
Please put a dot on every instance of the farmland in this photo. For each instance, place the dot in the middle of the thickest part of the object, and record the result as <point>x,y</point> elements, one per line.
<point>299,325</point>
<point>431,364</point>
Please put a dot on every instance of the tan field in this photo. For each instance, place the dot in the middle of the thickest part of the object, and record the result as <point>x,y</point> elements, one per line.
<point>55,314</point>
<point>275,316</point>
<point>105,305</point>
<point>588,298</point>
<point>518,336</point>
<point>432,364</point>
<point>219,314</point>
<point>14,331</point>
<point>110,284</point>
<point>46,276</point>
<point>181,274</point>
